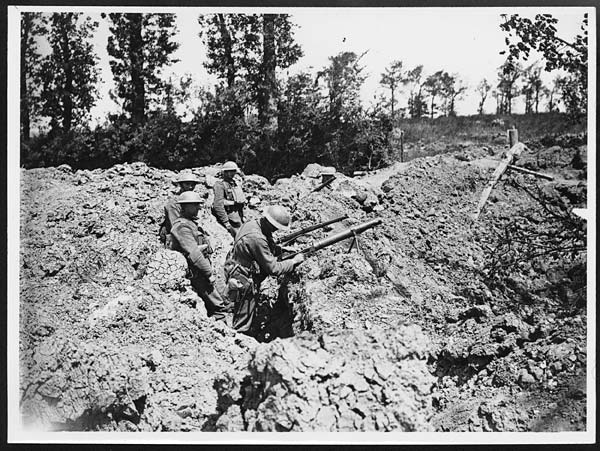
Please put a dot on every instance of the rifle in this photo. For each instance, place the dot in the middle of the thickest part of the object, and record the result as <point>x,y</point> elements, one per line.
<point>323,185</point>
<point>351,232</point>
<point>292,236</point>
<point>314,190</point>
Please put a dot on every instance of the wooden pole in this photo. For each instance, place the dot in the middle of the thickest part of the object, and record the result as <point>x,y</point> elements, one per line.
<point>512,154</point>
<point>401,146</point>
<point>513,137</point>
<point>530,172</point>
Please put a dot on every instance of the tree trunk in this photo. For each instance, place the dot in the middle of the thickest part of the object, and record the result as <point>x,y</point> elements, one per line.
<point>67,88</point>
<point>228,49</point>
<point>25,121</point>
<point>392,88</point>
<point>268,98</point>
<point>136,44</point>
<point>432,103</point>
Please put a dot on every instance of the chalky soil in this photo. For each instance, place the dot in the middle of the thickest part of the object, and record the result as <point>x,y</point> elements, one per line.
<point>408,331</point>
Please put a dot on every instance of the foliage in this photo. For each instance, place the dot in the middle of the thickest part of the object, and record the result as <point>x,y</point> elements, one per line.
<point>434,86</point>
<point>32,28</point>
<point>416,101</point>
<point>392,78</point>
<point>453,89</point>
<point>483,88</point>
<point>69,74</point>
<point>540,34</point>
<point>508,75</point>
<point>140,46</point>
<point>235,46</point>
<point>547,236</point>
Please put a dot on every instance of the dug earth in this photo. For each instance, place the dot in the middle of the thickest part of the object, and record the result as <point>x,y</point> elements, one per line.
<point>418,326</point>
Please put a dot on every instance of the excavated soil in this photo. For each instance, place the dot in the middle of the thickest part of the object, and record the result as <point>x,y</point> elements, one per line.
<point>405,329</point>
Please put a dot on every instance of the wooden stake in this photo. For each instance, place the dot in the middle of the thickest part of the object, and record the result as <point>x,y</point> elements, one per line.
<point>530,172</point>
<point>401,146</point>
<point>513,153</point>
<point>513,137</point>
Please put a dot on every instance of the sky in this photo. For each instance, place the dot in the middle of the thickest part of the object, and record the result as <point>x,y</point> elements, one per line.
<point>466,41</point>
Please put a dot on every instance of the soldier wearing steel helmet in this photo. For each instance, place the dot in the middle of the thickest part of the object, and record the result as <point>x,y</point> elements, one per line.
<point>190,239</point>
<point>251,260</point>
<point>186,181</point>
<point>229,200</point>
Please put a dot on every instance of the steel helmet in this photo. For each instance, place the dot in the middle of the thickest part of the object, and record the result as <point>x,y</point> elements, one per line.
<point>278,216</point>
<point>189,197</point>
<point>187,177</point>
<point>230,166</point>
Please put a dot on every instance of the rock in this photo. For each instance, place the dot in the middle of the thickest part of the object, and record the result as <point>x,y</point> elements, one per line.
<point>525,378</point>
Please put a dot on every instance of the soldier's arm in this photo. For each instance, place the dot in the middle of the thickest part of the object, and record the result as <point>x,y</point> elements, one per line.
<point>218,204</point>
<point>185,237</point>
<point>172,212</point>
<point>267,261</point>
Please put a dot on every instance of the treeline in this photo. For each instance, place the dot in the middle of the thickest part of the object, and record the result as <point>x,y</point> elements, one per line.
<point>270,123</point>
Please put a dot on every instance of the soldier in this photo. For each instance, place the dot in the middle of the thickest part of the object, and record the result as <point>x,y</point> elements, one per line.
<point>251,260</point>
<point>228,205</point>
<point>185,182</point>
<point>190,239</point>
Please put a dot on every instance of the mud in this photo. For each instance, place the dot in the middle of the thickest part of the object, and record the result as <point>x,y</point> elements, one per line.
<point>408,328</point>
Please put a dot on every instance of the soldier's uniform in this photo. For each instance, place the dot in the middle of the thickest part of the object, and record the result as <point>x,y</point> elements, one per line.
<point>189,239</point>
<point>228,204</point>
<point>172,213</point>
<point>248,263</point>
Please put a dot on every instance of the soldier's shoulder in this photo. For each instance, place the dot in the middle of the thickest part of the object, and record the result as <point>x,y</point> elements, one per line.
<point>252,229</point>
<point>183,222</point>
<point>172,203</point>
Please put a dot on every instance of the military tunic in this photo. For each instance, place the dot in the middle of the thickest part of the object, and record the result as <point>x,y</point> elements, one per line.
<point>250,261</point>
<point>172,211</point>
<point>190,240</point>
<point>228,204</point>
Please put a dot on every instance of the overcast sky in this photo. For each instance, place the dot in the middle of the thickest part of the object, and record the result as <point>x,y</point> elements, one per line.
<point>466,41</point>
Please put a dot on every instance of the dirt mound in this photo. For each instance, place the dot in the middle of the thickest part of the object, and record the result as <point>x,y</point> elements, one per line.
<point>112,336</point>
<point>369,381</point>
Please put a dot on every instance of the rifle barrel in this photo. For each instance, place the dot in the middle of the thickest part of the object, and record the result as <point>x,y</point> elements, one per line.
<point>323,185</point>
<point>352,231</point>
<point>293,235</point>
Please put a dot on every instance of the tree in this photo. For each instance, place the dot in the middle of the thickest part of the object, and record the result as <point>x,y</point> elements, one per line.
<point>32,27</point>
<point>532,88</point>
<point>541,34</point>
<point>452,89</point>
<point>140,46</point>
<point>483,88</point>
<point>508,74</point>
<point>553,94</point>
<point>232,42</point>
<point>391,79</point>
<point>236,47</point>
<point>70,72</point>
<point>434,86</point>
<point>416,102</point>
<point>344,78</point>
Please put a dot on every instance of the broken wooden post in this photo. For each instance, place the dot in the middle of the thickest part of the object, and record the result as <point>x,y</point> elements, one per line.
<point>513,137</point>
<point>530,172</point>
<point>401,146</point>
<point>512,154</point>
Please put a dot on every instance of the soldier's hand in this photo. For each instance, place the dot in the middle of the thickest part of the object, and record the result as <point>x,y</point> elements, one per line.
<point>298,259</point>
